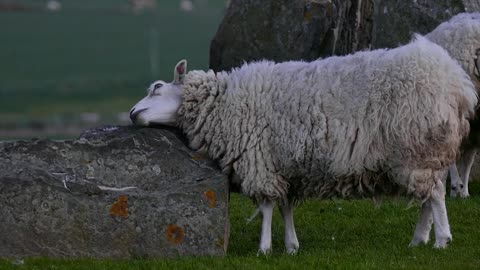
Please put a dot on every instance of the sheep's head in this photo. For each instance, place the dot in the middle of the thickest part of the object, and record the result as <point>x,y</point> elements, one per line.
<point>162,101</point>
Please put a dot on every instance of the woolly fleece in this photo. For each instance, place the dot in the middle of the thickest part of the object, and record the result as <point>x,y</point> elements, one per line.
<point>460,37</point>
<point>344,126</point>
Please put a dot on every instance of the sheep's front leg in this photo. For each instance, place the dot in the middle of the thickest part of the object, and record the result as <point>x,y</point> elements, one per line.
<point>266,207</point>
<point>291,241</point>
<point>440,218</point>
<point>424,225</point>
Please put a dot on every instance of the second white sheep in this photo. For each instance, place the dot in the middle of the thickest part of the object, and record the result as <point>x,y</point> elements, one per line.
<point>460,36</point>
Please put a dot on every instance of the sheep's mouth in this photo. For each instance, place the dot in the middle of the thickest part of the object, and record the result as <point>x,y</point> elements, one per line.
<point>134,114</point>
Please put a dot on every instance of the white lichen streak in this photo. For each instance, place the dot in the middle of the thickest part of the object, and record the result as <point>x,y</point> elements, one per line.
<point>115,188</point>
<point>110,128</point>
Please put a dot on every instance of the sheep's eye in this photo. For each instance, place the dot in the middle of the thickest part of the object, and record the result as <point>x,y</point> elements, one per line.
<point>158,85</point>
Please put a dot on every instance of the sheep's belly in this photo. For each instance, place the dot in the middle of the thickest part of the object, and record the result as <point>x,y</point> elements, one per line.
<point>352,187</point>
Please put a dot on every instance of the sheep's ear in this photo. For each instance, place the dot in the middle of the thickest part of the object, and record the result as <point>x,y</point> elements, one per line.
<point>180,71</point>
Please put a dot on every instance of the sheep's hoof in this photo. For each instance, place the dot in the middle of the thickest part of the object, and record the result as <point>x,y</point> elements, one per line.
<point>292,251</point>
<point>442,243</point>
<point>265,252</point>
<point>417,241</point>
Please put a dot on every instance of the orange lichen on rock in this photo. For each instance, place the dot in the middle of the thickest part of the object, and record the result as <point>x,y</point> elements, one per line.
<point>120,207</point>
<point>220,243</point>
<point>210,197</point>
<point>174,234</point>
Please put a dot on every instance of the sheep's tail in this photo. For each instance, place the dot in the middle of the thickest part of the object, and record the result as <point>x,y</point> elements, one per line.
<point>254,215</point>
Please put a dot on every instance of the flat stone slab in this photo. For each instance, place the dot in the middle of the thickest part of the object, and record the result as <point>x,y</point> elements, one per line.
<point>116,192</point>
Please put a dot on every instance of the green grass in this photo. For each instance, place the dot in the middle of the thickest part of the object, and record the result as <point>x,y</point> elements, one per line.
<point>333,235</point>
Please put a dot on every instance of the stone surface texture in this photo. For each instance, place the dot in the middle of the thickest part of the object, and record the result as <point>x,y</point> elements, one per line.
<point>278,30</point>
<point>282,30</point>
<point>396,21</point>
<point>116,192</point>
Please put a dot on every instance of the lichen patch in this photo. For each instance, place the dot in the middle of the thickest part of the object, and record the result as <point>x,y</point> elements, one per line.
<point>209,196</point>
<point>120,207</point>
<point>174,234</point>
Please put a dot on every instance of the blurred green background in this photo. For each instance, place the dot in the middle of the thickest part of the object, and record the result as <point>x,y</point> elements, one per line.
<point>69,65</point>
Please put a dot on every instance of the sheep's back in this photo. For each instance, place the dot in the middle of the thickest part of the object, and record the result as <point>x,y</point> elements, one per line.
<point>372,112</point>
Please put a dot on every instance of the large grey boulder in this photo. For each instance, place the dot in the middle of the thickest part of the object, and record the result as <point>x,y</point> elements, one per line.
<point>116,192</point>
<point>395,21</point>
<point>282,30</point>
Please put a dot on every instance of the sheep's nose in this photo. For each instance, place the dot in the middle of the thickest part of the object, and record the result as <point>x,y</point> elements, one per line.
<point>134,113</point>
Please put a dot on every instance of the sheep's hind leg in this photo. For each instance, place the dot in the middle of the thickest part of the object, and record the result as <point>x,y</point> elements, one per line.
<point>466,165</point>
<point>266,207</point>
<point>440,219</point>
<point>291,241</point>
<point>424,225</point>
<point>455,180</point>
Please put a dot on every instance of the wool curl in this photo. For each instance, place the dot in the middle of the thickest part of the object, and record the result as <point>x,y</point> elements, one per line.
<point>352,126</point>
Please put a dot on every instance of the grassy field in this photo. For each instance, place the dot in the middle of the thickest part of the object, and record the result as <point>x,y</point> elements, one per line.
<point>95,56</point>
<point>332,234</point>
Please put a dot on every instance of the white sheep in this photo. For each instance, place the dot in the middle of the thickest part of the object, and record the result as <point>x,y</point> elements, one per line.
<point>378,122</point>
<point>460,37</point>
